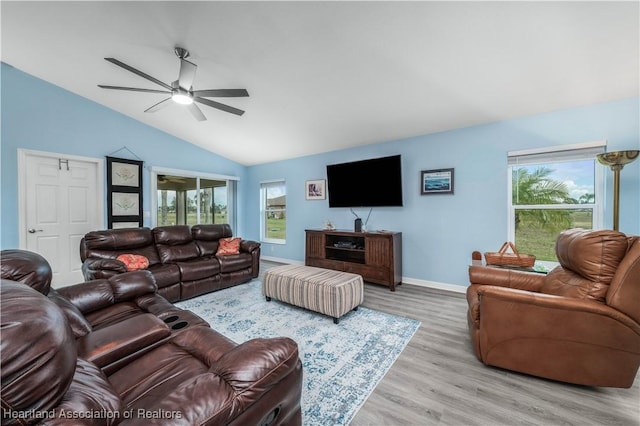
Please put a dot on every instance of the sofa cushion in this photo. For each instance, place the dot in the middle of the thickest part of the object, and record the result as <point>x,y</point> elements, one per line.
<point>196,269</point>
<point>165,275</point>
<point>38,351</point>
<point>26,267</point>
<point>79,324</point>
<point>563,282</point>
<point>109,243</point>
<point>588,261</point>
<point>594,255</point>
<point>235,262</point>
<point>118,239</point>
<point>621,295</point>
<point>89,392</point>
<point>211,232</point>
<point>228,246</point>
<point>207,237</point>
<point>175,243</point>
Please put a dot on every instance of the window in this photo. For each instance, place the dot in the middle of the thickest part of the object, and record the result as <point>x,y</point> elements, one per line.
<point>188,200</point>
<point>552,190</point>
<point>273,211</point>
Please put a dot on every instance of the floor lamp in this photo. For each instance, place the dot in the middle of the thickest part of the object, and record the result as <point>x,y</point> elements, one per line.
<point>617,160</point>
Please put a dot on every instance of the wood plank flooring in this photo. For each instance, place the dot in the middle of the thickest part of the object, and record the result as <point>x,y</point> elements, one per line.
<point>437,380</point>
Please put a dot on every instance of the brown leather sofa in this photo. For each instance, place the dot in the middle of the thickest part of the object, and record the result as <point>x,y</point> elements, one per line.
<point>578,324</point>
<point>130,366</point>
<point>182,260</point>
<point>125,305</point>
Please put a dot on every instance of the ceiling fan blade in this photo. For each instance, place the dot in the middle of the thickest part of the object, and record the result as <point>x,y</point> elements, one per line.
<point>196,112</point>
<point>138,72</point>
<point>218,105</point>
<point>187,74</point>
<point>163,103</point>
<point>226,93</point>
<point>133,89</point>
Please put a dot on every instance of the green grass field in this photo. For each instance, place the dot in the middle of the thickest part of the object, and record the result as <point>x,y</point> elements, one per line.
<point>191,219</point>
<point>531,239</point>
<point>276,228</point>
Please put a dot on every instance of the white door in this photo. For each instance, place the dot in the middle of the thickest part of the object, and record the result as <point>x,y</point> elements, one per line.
<point>62,202</point>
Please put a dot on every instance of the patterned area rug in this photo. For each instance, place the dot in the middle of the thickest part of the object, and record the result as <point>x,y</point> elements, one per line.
<point>342,363</point>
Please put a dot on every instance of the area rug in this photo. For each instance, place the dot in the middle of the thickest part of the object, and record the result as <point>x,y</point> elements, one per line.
<point>342,363</point>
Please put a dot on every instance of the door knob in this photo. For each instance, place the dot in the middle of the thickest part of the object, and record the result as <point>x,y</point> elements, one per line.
<point>33,231</point>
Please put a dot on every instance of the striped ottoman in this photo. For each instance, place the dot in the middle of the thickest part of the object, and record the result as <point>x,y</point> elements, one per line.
<point>328,292</point>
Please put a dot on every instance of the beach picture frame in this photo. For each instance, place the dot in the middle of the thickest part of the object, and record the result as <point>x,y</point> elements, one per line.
<point>437,181</point>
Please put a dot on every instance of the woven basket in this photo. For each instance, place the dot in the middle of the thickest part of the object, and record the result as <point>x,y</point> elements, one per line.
<point>502,258</point>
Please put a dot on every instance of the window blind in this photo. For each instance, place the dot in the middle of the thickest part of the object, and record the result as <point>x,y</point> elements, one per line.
<point>576,152</point>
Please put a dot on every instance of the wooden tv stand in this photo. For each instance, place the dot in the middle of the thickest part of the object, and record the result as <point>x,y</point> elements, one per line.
<point>376,256</point>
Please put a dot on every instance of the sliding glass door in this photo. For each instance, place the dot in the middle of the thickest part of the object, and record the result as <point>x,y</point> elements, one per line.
<point>188,200</point>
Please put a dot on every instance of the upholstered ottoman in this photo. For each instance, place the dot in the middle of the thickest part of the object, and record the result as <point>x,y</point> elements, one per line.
<point>328,292</point>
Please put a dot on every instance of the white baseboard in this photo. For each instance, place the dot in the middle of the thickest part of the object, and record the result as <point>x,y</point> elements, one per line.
<point>435,285</point>
<point>281,260</point>
<point>413,281</point>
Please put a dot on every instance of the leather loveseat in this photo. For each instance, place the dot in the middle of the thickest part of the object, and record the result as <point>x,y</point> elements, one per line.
<point>53,357</point>
<point>182,260</point>
<point>578,324</point>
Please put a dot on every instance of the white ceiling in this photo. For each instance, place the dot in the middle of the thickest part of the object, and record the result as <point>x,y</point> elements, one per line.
<point>329,75</point>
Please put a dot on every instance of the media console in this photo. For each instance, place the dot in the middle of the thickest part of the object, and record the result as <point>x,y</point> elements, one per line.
<point>376,256</point>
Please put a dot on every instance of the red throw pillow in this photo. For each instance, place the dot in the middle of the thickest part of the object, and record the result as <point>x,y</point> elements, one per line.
<point>134,262</point>
<point>229,246</point>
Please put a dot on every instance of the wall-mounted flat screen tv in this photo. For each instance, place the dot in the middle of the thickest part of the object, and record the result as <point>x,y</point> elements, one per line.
<point>376,182</point>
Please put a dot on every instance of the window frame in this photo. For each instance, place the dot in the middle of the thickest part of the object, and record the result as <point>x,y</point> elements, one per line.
<point>264,210</point>
<point>557,154</point>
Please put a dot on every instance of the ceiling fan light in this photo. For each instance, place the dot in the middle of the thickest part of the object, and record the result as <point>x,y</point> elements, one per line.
<point>181,98</point>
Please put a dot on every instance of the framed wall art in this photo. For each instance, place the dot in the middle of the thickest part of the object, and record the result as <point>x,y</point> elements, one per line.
<point>124,193</point>
<point>315,189</point>
<point>439,181</point>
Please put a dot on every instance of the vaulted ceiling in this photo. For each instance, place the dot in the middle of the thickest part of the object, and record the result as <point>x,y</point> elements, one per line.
<point>329,75</point>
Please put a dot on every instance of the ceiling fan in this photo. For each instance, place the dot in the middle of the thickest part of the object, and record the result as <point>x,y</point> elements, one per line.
<point>171,179</point>
<point>181,91</point>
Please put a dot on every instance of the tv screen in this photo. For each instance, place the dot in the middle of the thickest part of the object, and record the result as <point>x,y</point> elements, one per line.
<point>368,183</point>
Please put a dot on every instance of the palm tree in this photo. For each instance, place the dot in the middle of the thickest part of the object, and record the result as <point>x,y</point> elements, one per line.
<point>587,199</point>
<point>535,188</point>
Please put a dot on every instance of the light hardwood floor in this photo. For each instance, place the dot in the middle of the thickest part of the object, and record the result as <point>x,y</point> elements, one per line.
<point>437,380</point>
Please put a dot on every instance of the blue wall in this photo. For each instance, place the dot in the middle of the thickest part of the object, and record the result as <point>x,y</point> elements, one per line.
<point>439,232</point>
<point>40,116</point>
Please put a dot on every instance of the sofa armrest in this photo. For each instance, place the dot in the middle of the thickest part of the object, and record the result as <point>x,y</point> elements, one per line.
<point>485,275</point>
<point>97,294</point>
<point>112,343</point>
<point>545,312</point>
<point>259,376</point>
<point>94,268</point>
<point>256,365</point>
<point>249,246</point>
<point>163,309</point>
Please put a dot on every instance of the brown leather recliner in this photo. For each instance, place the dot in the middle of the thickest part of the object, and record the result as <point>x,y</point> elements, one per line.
<point>94,304</point>
<point>578,324</point>
<point>196,377</point>
<point>116,349</point>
